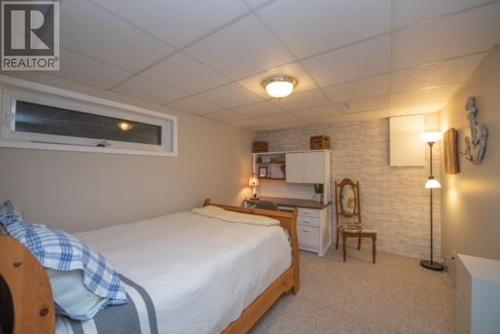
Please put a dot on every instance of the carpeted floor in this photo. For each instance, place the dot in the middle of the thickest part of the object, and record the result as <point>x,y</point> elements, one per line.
<point>395,295</point>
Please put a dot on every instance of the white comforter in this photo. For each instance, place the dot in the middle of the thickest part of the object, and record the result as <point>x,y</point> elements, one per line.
<point>200,272</point>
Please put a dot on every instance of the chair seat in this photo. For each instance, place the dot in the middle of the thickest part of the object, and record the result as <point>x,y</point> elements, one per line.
<point>356,228</point>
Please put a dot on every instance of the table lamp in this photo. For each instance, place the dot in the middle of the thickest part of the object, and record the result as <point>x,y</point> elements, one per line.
<point>254,182</point>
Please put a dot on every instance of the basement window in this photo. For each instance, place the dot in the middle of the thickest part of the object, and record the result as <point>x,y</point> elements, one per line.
<point>45,121</point>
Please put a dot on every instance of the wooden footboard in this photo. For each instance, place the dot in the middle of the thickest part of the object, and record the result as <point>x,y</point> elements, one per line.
<point>288,281</point>
<point>26,303</point>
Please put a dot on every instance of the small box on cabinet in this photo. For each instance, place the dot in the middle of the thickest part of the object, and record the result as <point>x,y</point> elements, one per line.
<point>259,146</point>
<point>320,142</point>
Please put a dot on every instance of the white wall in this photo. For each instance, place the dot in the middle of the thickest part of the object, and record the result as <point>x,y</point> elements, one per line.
<point>471,210</point>
<point>393,199</point>
<point>81,191</point>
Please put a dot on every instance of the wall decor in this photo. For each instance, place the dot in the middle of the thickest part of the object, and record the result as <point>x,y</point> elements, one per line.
<point>263,172</point>
<point>475,145</point>
<point>450,143</point>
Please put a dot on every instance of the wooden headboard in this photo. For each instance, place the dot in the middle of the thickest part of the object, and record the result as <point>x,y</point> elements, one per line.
<point>25,290</point>
<point>287,220</point>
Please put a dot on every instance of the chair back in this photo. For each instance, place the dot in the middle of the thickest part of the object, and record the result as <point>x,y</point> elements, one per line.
<point>347,203</point>
<point>267,205</point>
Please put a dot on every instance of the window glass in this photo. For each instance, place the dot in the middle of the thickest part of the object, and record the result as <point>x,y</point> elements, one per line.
<point>37,118</point>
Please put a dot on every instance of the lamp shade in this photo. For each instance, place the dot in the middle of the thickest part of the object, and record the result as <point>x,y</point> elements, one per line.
<point>253,182</point>
<point>279,86</point>
<point>432,183</point>
<point>431,137</point>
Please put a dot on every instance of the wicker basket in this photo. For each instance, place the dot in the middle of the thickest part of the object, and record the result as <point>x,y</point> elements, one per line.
<point>320,142</point>
<point>259,146</point>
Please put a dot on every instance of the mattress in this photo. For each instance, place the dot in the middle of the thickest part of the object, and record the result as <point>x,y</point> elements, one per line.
<point>199,272</point>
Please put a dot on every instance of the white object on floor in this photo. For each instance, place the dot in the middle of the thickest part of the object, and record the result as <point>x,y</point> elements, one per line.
<point>313,230</point>
<point>478,295</point>
<point>200,272</point>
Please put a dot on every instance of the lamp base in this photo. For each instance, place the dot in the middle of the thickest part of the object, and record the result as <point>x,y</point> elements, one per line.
<point>432,265</point>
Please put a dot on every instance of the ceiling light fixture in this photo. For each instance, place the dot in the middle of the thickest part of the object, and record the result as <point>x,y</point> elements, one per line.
<point>279,86</point>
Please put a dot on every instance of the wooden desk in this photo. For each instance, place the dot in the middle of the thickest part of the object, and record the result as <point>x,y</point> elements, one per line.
<point>292,202</point>
<point>313,221</point>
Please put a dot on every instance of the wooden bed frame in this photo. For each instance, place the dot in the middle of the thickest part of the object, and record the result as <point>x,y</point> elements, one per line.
<point>27,305</point>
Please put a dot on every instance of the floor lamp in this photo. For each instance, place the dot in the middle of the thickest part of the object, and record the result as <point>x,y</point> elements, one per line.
<point>430,138</point>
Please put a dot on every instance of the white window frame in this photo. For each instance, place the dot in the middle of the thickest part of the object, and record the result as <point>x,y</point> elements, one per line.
<point>14,90</point>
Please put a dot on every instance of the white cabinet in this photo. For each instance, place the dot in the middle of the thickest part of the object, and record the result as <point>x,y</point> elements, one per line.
<point>307,167</point>
<point>405,147</point>
<point>295,167</point>
<point>478,295</point>
<point>314,167</point>
<point>313,230</point>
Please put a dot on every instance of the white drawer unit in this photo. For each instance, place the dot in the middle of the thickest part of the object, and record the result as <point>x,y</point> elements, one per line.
<point>313,228</point>
<point>308,237</point>
<point>309,213</point>
<point>478,295</point>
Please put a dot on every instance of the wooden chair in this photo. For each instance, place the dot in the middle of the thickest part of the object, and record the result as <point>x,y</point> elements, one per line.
<point>348,216</point>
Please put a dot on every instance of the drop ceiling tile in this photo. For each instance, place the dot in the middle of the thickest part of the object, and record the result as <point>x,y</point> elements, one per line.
<point>410,11</point>
<point>355,90</point>
<point>296,70</point>
<point>417,109</point>
<point>439,94</point>
<point>85,70</point>
<point>367,115</point>
<point>195,105</point>
<point>324,111</point>
<point>451,36</point>
<point>358,61</point>
<point>259,109</point>
<point>440,73</point>
<point>147,90</point>
<point>230,96</point>
<point>249,123</point>
<point>226,116</point>
<point>93,32</point>
<point>325,120</point>
<point>241,49</point>
<point>256,3</point>
<point>177,22</point>
<point>310,27</point>
<point>370,103</point>
<point>184,73</point>
<point>275,120</point>
<point>305,100</point>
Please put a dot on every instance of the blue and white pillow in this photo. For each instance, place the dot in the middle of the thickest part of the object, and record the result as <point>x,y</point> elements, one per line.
<point>58,250</point>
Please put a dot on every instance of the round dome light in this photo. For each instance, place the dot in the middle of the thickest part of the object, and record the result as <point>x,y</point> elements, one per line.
<point>279,86</point>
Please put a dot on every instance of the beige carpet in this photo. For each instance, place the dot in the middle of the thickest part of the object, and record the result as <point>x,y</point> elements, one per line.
<point>395,295</point>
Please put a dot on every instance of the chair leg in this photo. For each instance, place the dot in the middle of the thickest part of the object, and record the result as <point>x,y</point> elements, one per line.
<point>359,241</point>
<point>374,248</point>
<point>337,239</point>
<point>344,246</point>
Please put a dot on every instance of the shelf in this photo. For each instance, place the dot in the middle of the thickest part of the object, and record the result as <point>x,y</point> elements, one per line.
<point>272,162</point>
<point>272,178</point>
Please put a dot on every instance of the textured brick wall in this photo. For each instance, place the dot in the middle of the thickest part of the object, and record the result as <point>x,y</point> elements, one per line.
<point>393,199</point>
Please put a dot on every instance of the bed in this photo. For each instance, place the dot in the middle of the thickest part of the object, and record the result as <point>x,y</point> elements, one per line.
<point>224,283</point>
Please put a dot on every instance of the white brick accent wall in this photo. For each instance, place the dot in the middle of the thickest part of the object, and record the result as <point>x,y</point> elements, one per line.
<point>393,199</point>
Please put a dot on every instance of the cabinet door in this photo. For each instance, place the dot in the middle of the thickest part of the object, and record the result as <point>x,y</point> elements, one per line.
<point>314,167</point>
<point>295,167</point>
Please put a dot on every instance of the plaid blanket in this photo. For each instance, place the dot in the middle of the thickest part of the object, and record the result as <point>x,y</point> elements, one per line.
<point>59,250</point>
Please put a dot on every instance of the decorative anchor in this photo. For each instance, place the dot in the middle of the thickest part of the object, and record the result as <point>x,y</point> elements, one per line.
<point>475,145</point>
